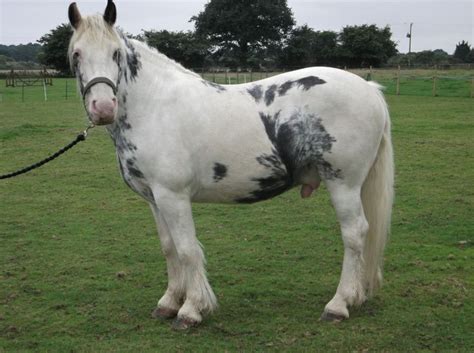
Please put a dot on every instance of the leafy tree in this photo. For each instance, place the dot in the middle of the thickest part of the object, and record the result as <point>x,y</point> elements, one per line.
<point>21,52</point>
<point>366,45</point>
<point>425,58</point>
<point>241,27</point>
<point>306,47</point>
<point>440,56</point>
<point>55,46</point>
<point>184,47</point>
<point>400,59</point>
<point>462,51</point>
<point>470,57</point>
<point>4,60</point>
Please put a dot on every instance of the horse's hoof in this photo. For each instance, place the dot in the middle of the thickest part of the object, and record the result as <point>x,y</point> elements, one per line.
<point>332,317</point>
<point>164,313</point>
<point>184,324</point>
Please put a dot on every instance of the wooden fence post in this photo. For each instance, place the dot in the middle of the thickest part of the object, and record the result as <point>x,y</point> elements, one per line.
<point>45,91</point>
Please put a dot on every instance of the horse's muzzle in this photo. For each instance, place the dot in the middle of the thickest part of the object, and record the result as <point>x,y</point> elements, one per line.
<point>103,112</point>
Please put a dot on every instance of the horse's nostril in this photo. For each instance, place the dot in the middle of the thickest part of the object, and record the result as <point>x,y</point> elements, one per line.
<point>94,106</point>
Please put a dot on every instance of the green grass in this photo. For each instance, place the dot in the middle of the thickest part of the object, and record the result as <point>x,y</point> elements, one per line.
<point>62,90</point>
<point>70,226</point>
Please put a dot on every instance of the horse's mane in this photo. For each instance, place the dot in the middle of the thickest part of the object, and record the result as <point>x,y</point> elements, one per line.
<point>95,27</point>
<point>159,57</point>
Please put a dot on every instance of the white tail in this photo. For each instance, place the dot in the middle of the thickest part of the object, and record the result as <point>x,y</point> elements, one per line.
<point>377,199</point>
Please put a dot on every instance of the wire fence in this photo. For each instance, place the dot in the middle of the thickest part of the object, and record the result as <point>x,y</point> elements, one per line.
<point>419,82</point>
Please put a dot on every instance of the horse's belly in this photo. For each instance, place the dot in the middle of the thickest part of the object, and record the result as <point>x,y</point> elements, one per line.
<point>247,186</point>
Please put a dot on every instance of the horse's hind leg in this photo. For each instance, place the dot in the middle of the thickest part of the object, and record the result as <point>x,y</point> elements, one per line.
<point>351,290</point>
<point>170,302</point>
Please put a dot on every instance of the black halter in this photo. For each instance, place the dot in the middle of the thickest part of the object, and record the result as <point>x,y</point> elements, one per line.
<point>97,80</point>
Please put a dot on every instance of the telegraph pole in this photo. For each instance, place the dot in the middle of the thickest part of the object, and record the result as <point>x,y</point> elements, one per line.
<point>409,42</point>
<point>409,36</point>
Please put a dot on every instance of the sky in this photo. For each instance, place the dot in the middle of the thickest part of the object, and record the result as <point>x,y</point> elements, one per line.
<point>436,24</point>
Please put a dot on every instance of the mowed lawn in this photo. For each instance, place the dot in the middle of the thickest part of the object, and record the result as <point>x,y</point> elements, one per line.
<point>81,267</point>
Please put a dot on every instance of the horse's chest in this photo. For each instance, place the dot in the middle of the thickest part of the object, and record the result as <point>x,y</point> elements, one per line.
<point>133,176</point>
<point>127,155</point>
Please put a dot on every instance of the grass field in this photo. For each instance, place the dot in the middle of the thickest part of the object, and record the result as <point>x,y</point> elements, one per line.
<point>68,228</point>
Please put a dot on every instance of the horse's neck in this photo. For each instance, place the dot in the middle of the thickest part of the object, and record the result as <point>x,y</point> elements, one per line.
<point>147,75</point>
<point>153,70</point>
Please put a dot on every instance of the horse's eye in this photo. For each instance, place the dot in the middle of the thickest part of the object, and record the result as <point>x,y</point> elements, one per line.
<point>75,55</point>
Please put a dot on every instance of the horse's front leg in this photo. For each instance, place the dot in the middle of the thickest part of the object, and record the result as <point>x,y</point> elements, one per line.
<point>175,210</point>
<point>170,302</point>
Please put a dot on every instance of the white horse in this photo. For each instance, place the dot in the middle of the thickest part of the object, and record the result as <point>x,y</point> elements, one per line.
<point>181,139</point>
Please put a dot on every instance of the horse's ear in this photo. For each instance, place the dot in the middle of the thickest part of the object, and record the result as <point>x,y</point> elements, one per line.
<point>74,15</point>
<point>110,14</point>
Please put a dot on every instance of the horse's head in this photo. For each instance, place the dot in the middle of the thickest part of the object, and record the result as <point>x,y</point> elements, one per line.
<point>95,54</point>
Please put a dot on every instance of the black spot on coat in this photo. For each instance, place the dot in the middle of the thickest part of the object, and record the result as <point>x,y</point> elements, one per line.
<point>133,170</point>
<point>133,64</point>
<point>123,122</point>
<point>220,172</point>
<point>300,142</point>
<point>270,94</point>
<point>132,58</point>
<point>276,183</point>
<point>306,83</point>
<point>285,87</point>
<point>309,81</point>
<point>122,144</point>
<point>143,190</point>
<point>256,92</point>
<point>117,57</point>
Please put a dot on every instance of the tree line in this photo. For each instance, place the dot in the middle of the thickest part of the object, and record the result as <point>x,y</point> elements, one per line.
<point>260,35</point>
<point>19,56</point>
